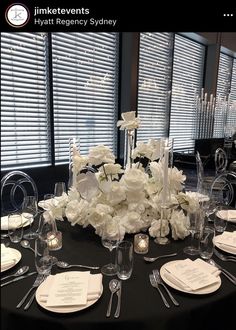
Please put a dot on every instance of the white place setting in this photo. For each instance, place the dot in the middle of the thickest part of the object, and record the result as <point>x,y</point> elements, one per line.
<point>226,242</point>
<point>69,291</point>
<point>228,215</point>
<point>9,257</point>
<point>194,277</point>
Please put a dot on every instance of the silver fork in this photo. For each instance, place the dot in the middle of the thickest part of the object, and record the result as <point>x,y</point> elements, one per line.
<point>27,306</point>
<point>223,257</point>
<point>158,279</point>
<point>37,282</point>
<point>155,285</point>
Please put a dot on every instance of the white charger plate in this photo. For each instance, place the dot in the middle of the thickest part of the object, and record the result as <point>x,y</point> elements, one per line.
<point>4,222</point>
<point>223,215</point>
<point>16,255</point>
<point>206,290</point>
<point>61,309</point>
<point>223,247</point>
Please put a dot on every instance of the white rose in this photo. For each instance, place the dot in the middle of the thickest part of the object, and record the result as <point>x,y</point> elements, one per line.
<point>111,170</point>
<point>100,154</point>
<point>129,121</point>
<point>77,212</point>
<point>176,179</point>
<point>134,179</point>
<point>154,147</point>
<point>132,222</point>
<point>117,193</point>
<point>79,162</point>
<point>188,202</point>
<point>179,224</point>
<point>142,150</point>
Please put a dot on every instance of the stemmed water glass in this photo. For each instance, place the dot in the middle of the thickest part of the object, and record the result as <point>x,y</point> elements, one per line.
<point>110,240</point>
<point>59,189</point>
<point>194,228</point>
<point>30,211</point>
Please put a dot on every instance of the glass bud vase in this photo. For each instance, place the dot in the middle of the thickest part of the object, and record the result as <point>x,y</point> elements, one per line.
<point>74,148</point>
<point>162,239</point>
<point>129,146</point>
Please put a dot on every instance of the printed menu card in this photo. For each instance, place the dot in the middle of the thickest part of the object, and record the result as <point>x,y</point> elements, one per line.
<point>191,273</point>
<point>69,289</point>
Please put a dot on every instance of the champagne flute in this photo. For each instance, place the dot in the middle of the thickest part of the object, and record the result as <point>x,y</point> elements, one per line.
<point>110,239</point>
<point>30,211</point>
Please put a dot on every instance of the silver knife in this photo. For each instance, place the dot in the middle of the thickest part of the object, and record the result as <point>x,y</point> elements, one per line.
<point>18,278</point>
<point>118,292</point>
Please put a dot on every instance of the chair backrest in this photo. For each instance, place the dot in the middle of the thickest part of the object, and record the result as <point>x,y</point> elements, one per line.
<point>200,172</point>
<point>222,188</point>
<point>221,160</point>
<point>15,185</point>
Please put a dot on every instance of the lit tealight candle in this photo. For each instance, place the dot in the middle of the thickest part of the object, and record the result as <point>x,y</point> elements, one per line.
<point>141,243</point>
<point>54,241</point>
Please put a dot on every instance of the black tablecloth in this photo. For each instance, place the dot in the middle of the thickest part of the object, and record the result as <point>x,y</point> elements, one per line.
<point>141,306</point>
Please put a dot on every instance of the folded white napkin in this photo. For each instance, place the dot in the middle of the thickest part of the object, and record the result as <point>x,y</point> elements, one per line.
<point>7,257</point>
<point>94,287</point>
<point>207,268</point>
<point>227,214</point>
<point>4,222</point>
<point>227,239</point>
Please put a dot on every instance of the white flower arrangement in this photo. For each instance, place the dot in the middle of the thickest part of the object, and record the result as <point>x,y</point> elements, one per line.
<point>129,199</point>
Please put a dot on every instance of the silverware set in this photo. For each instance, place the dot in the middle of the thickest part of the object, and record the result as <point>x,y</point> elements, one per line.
<point>225,272</point>
<point>39,279</point>
<point>223,257</point>
<point>115,286</point>
<point>156,281</point>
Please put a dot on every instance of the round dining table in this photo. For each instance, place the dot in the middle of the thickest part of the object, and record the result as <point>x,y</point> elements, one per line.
<point>141,304</point>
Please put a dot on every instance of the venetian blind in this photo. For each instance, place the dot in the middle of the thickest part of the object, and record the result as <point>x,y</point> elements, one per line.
<point>187,79</point>
<point>24,100</point>
<point>85,87</point>
<point>154,84</point>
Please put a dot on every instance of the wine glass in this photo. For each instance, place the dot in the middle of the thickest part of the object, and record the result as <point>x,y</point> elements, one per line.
<point>59,189</point>
<point>194,228</point>
<point>110,239</point>
<point>43,262</point>
<point>30,211</point>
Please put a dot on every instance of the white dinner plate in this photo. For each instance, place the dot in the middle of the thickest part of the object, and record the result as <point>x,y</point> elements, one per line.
<point>16,256</point>
<point>223,247</point>
<point>61,309</point>
<point>208,289</point>
<point>223,215</point>
<point>4,222</point>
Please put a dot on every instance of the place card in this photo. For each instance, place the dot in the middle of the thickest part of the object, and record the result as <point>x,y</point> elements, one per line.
<point>69,289</point>
<point>227,238</point>
<point>191,273</point>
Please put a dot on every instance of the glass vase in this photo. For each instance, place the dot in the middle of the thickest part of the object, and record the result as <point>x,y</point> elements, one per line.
<point>162,239</point>
<point>129,146</point>
<point>74,148</point>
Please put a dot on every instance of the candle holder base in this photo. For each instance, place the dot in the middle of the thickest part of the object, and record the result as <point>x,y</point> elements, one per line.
<point>161,240</point>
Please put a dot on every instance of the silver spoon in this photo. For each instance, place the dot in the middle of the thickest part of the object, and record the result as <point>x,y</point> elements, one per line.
<point>19,272</point>
<point>26,244</point>
<point>113,286</point>
<point>63,264</point>
<point>155,258</point>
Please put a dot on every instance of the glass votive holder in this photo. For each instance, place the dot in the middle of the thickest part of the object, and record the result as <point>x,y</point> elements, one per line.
<point>54,240</point>
<point>141,243</point>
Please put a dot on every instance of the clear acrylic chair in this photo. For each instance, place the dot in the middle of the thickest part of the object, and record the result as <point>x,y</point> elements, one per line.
<point>15,185</point>
<point>222,188</point>
<point>221,160</point>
